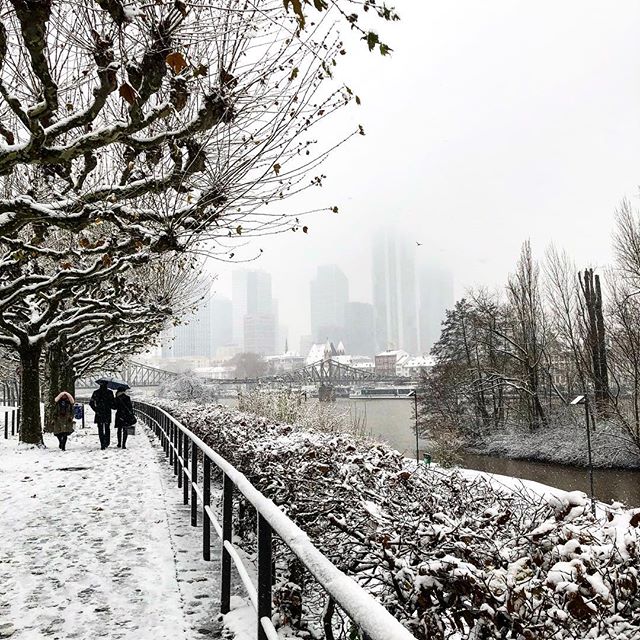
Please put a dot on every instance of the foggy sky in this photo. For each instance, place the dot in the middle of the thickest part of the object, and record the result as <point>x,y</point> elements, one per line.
<point>492,122</point>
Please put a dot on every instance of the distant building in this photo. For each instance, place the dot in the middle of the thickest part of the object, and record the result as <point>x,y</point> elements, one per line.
<point>329,293</point>
<point>414,366</point>
<point>284,363</point>
<point>222,323</point>
<point>190,340</point>
<point>436,296</point>
<point>317,352</point>
<point>394,293</point>
<point>389,363</point>
<point>359,336</point>
<point>260,333</point>
<point>254,315</point>
<point>364,363</point>
<point>219,372</point>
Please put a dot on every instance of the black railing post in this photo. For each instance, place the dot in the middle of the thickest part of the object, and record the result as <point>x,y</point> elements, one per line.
<point>194,480</point>
<point>227,529</point>
<point>265,578</point>
<point>13,422</point>
<point>6,425</point>
<point>172,451</point>
<point>165,435</point>
<point>18,421</point>
<point>180,459</point>
<point>206,501</point>
<point>83,410</point>
<point>185,468</point>
<point>175,452</point>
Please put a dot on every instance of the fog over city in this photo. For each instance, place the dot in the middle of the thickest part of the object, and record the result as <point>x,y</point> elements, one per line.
<point>521,122</point>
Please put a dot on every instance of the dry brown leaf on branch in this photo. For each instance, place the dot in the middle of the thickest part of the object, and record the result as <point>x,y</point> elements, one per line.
<point>176,61</point>
<point>127,92</point>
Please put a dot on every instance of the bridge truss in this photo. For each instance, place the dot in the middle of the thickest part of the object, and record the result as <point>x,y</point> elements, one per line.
<point>133,373</point>
<point>329,372</point>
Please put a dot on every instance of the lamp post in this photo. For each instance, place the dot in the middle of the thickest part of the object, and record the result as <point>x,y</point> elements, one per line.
<point>415,408</point>
<point>585,401</point>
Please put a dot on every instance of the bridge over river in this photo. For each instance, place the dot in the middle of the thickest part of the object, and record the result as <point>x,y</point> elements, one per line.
<point>325,374</point>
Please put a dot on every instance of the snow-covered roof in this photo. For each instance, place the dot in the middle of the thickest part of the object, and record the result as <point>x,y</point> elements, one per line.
<point>394,352</point>
<point>315,354</point>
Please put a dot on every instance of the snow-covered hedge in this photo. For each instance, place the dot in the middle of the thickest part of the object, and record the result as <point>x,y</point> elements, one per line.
<point>187,387</point>
<point>450,557</point>
<point>308,414</point>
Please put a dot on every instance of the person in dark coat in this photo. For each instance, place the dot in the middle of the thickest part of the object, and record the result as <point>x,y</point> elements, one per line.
<point>102,401</point>
<point>124,417</point>
<point>61,423</point>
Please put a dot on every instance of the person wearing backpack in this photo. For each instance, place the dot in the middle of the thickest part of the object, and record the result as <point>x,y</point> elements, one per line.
<point>61,424</point>
<point>124,417</point>
<point>102,402</point>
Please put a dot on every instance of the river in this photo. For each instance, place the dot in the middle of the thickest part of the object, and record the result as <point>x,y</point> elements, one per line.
<point>391,421</point>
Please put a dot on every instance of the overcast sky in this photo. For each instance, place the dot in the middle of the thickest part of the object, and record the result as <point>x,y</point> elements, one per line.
<point>492,122</point>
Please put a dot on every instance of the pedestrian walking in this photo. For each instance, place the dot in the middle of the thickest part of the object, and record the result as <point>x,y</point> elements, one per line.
<point>125,417</point>
<point>102,401</point>
<point>61,422</point>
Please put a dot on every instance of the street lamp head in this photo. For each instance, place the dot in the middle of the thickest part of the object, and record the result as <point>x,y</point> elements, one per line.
<point>579,400</point>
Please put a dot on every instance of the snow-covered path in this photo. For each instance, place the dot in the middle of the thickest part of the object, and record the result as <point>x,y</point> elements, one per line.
<point>97,544</point>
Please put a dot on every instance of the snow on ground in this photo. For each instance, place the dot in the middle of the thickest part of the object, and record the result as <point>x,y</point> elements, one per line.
<point>98,544</point>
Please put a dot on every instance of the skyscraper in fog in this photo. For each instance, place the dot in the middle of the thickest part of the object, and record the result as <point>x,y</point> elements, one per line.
<point>394,292</point>
<point>254,314</point>
<point>329,293</point>
<point>360,337</point>
<point>222,323</point>
<point>192,339</point>
<point>436,296</point>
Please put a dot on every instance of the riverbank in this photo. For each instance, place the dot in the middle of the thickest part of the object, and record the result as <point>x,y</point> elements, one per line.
<point>610,448</point>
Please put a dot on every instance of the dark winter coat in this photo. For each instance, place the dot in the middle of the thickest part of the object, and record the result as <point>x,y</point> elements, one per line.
<point>124,411</point>
<point>61,420</point>
<point>102,401</point>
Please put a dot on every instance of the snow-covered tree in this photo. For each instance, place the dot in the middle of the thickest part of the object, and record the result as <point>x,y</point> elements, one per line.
<point>130,130</point>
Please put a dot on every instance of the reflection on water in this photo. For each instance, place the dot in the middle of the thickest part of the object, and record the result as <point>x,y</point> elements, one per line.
<point>392,422</point>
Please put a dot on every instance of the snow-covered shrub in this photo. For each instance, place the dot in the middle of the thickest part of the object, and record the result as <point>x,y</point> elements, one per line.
<point>296,409</point>
<point>188,387</point>
<point>449,556</point>
<point>564,444</point>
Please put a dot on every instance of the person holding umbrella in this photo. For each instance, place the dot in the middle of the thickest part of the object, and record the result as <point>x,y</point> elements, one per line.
<point>102,401</point>
<point>124,414</point>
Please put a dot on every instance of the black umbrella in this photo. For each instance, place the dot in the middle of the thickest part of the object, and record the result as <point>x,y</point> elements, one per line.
<point>118,385</point>
<point>112,383</point>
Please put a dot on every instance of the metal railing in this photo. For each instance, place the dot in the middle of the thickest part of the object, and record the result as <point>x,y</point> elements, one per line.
<point>183,449</point>
<point>11,419</point>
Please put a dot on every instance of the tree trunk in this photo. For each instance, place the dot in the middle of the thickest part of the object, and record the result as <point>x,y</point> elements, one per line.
<point>602,350</point>
<point>51,380</point>
<point>596,339</point>
<point>30,417</point>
